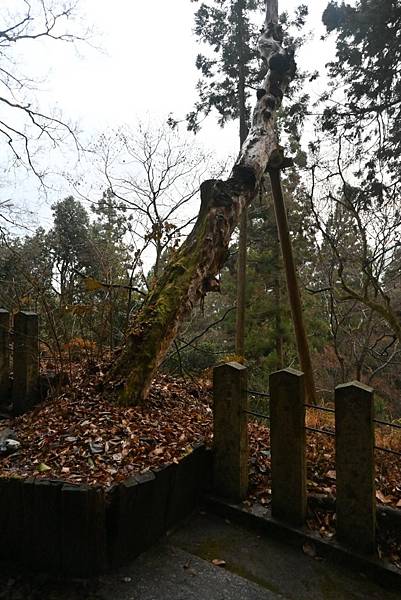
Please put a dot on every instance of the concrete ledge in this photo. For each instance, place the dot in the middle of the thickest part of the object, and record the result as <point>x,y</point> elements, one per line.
<point>53,526</point>
<point>259,518</point>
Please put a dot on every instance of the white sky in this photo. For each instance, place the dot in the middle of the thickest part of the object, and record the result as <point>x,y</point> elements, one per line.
<point>145,71</point>
<point>149,64</point>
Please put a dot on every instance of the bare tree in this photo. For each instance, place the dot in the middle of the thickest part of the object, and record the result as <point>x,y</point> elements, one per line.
<point>359,249</point>
<point>154,175</point>
<point>24,127</point>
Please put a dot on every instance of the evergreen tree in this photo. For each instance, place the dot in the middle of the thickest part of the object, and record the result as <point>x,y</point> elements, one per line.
<point>111,277</point>
<point>228,75</point>
<point>270,342</point>
<point>69,241</point>
<point>231,73</point>
<point>26,271</point>
<point>368,107</point>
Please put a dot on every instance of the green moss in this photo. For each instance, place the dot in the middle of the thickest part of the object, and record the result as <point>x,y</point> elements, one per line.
<point>152,329</point>
<point>158,316</point>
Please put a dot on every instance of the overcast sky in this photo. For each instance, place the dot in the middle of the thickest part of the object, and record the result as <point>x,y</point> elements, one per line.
<point>148,63</point>
<point>144,71</point>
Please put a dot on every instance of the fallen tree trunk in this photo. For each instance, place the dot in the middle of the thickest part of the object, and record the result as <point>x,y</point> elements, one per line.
<point>189,272</point>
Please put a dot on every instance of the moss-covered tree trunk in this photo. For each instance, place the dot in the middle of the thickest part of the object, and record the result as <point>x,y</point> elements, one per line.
<point>188,274</point>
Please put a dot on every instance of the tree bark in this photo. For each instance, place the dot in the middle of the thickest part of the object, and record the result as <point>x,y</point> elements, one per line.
<point>186,277</point>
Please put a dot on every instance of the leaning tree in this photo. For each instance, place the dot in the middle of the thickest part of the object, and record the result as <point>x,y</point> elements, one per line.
<point>190,271</point>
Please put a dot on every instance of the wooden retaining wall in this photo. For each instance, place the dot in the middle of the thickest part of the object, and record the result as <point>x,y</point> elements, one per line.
<point>52,526</point>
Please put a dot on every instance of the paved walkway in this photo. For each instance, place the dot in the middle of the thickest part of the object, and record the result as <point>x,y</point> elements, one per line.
<point>181,568</point>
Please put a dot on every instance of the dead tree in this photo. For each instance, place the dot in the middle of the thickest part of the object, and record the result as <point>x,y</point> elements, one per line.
<point>187,275</point>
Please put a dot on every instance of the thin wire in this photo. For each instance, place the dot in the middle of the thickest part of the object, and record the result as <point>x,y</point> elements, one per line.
<point>394,425</point>
<point>328,410</point>
<point>314,430</point>
<point>387,450</point>
<point>317,407</point>
<point>253,393</point>
<point>256,414</point>
<point>331,433</point>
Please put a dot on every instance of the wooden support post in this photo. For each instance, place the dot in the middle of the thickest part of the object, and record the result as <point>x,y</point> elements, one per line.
<point>287,443</point>
<point>355,468</point>
<point>241,287</point>
<point>4,355</point>
<point>230,467</point>
<point>294,294</point>
<point>242,244</point>
<point>25,362</point>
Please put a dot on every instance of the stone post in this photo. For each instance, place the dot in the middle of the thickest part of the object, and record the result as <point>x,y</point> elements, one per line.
<point>287,443</point>
<point>25,362</point>
<point>230,466</point>
<point>4,355</point>
<point>355,467</point>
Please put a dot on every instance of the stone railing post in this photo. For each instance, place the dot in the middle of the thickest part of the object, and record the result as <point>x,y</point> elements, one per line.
<point>25,361</point>
<point>355,468</point>
<point>4,355</point>
<point>287,443</point>
<point>230,441</point>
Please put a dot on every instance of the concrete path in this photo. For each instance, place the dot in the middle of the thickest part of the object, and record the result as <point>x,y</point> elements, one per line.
<point>256,568</point>
<point>283,570</point>
<point>180,568</point>
<point>167,572</point>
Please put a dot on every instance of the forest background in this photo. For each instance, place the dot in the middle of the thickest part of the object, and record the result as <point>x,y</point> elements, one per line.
<point>122,199</point>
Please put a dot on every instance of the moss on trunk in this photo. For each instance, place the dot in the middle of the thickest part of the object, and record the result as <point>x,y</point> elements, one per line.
<point>182,284</point>
<point>186,277</point>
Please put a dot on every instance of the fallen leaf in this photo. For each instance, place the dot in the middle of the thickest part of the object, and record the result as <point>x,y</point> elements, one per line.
<point>96,448</point>
<point>382,498</point>
<point>309,549</point>
<point>331,474</point>
<point>42,468</point>
<point>218,562</point>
